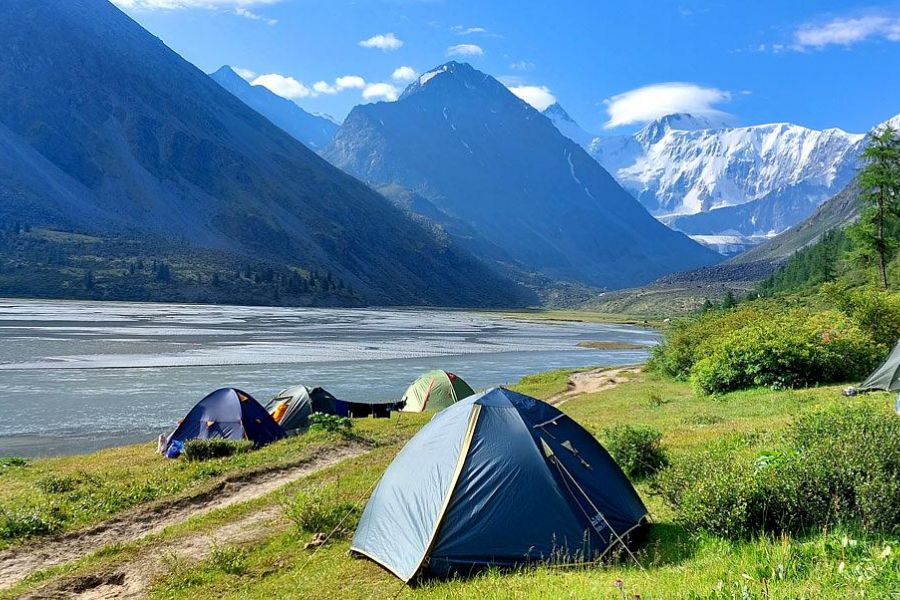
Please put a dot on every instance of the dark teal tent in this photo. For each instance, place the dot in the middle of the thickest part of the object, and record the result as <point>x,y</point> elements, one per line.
<point>231,414</point>
<point>887,376</point>
<point>498,479</point>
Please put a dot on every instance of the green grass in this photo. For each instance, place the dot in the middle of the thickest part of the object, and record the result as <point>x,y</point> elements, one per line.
<point>675,563</point>
<point>582,316</point>
<point>835,564</point>
<point>53,495</point>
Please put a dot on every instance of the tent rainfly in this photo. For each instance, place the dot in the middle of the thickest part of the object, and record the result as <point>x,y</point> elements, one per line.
<point>231,414</point>
<point>433,391</point>
<point>292,407</point>
<point>498,480</point>
<point>887,376</point>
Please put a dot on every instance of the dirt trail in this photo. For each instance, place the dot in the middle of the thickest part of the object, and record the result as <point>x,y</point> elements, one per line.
<point>17,564</point>
<point>132,579</point>
<point>593,381</point>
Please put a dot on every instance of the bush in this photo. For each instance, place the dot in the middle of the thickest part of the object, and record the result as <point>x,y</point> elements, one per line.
<point>876,311</point>
<point>688,341</point>
<point>10,462</point>
<point>57,484</point>
<point>325,422</point>
<point>228,559</point>
<point>214,448</point>
<point>25,523</point>
<point>839,467</point>
<point>638,450</point>
<point>789,349</point>
<point>321,510</point>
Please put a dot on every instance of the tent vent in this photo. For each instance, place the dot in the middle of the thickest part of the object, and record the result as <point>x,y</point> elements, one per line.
<point>548,451</point>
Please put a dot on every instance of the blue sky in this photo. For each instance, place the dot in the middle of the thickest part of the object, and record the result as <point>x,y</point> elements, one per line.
<point>612,65</point>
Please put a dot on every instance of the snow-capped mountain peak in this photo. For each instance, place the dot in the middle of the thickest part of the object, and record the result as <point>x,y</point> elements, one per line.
<point>567,125</point>
<point>655,130</point>
<point>450,73</point>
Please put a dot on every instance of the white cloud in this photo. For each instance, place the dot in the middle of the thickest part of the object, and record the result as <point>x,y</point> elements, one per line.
<point>347,82</point>
<point>245,73</point>
<point>404,74</point>
<point>847,31</point>
<point>350,82</point>
<point>247,14</point>
<point>522,65</point>
<point>286,87</point>
<point>382,41</point>
<point>460,30</point>
<point>465,50</point>
<point>385,91</point>
<point>538,96</point>
<point>660,99</point>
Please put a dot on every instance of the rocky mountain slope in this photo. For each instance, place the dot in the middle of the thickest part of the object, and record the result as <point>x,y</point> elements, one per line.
<point>481,156</point>
<point>107,132</point>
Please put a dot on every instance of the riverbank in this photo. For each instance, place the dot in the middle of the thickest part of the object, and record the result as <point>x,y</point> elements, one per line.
<point>252,548</point>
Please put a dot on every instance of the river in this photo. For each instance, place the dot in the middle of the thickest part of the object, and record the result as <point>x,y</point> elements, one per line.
<point>78,376</point>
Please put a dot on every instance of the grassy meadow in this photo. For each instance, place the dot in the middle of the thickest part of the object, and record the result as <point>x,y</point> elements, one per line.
<point>831,563</point>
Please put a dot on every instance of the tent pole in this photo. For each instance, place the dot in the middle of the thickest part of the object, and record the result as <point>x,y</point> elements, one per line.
<point>602,516</point>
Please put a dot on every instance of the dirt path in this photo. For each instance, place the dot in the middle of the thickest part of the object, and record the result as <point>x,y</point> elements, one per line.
<point>17,564</point>
<point>132,579</point>
<point>595,380</point>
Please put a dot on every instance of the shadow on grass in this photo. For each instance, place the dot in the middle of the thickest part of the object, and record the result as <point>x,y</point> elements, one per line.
<point>667,544</point>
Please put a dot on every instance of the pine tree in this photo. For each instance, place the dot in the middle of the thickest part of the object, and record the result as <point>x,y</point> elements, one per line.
<point>730,301</point>
<point>879,182</point>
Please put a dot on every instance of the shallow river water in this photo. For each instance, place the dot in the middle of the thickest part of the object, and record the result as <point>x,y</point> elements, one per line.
<point>76,376</point>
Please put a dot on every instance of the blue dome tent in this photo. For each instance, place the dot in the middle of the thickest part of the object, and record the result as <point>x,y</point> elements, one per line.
<point>231,414</point>
<point>498,479</point>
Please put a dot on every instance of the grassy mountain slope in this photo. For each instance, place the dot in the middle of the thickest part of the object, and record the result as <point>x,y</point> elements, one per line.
<point>140,145</point>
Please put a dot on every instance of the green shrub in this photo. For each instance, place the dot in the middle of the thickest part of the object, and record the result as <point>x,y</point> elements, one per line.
<point>638,450</point>
<point>839,467</point>
<point>57,484</point>
<point>689,340</point>
<point>876,311</point>
<point>214,448</point>
<point>10,462</point>
<point>324,422</point>
<point>321,510</point>
<point>29,522</point>
<point>228,559</point>
<point>789,349</point>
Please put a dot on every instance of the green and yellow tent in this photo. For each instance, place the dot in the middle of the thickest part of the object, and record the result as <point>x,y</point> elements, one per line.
<point>434,391</point>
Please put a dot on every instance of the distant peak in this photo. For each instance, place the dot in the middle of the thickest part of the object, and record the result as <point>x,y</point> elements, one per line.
<point>893,123</point>
<point>557,112</point>
<point>227,73</point>
<point>655,130</point>
<point>461,71</point>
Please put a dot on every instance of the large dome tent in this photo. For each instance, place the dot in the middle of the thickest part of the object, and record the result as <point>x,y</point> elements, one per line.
<point>231,414</point>
<point>434,391</point>
<point>498,480</point>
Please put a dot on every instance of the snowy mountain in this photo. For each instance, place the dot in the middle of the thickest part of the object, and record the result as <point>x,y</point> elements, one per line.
<point>313,130</point>
<point>734,185</point>
<point>567,125</point>
<point>464,143</point>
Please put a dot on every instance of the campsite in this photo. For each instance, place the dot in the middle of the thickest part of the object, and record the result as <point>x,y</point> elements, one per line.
<point>449,300</point>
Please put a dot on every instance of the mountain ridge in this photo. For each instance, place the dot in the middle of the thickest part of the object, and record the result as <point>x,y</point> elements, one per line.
<point>314,131</point>
<point>458,137</point>
<point>163,152</point>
